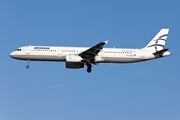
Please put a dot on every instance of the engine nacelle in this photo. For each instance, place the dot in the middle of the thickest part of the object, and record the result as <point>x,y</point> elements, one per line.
<point>74,65</point>
<point>73,58</point>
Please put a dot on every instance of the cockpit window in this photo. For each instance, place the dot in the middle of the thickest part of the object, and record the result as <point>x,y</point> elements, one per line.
<point>18,49</point>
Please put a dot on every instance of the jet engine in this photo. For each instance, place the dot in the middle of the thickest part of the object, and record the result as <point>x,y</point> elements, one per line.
<point>74,65</point>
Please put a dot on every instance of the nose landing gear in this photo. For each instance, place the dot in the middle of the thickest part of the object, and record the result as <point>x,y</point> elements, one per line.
<point>27,66</point>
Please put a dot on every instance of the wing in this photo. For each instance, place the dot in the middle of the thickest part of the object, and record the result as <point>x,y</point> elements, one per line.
<point>93,51</point>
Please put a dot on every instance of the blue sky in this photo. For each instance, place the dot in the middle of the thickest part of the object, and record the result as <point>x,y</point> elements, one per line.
<point>48,91</point>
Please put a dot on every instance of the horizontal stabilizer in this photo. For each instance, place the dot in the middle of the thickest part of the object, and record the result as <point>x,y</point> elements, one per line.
<point>160,53</point>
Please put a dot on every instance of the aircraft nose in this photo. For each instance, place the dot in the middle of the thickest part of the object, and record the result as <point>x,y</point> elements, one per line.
<point>11,54</point>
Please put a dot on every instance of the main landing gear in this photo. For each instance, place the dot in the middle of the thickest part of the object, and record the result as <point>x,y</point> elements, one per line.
<point>27,66</point>
<point>89,66</point>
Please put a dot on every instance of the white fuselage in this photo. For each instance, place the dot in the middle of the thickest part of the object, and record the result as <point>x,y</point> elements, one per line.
<point>106,55</point>
<point>77,57</point>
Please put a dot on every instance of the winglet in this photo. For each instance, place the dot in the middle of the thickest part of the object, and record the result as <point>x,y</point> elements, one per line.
<point>106,41</point>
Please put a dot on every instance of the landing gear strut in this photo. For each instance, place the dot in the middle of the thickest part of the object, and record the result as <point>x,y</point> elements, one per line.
<point>27,66</point>
<point>89,66</point>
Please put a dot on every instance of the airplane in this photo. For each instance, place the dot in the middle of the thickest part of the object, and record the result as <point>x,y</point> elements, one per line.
<point>77,57</point>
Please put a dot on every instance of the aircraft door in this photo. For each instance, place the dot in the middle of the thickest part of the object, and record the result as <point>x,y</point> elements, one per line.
<point>28,50</point>
<point>142,54</point>
<point>59,51</point>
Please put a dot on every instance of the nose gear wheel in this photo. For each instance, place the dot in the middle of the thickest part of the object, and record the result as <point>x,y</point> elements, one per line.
<point>27,66</point>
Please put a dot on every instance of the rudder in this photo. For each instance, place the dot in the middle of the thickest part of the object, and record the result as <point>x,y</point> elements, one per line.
<point>158,42</point>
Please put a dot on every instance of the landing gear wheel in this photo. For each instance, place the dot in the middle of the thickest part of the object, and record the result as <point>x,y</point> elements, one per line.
<point>89,70</point>
<point>89,66</point>
<point>27,66</point>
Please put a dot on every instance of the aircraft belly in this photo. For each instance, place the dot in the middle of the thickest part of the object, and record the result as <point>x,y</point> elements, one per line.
<point>121,60</point>
<point>39,58</point>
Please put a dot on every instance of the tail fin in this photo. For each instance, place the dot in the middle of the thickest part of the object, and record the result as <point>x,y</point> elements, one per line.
<point>158,42</point>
